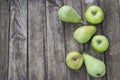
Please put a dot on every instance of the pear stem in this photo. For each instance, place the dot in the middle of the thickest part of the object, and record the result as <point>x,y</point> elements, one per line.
<point>83,23</point>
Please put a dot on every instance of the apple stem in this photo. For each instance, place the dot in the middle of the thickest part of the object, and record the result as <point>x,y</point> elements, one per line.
<point>99,41</point>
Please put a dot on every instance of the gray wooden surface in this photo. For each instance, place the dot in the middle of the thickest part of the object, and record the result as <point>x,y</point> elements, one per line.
<point>34,42</point>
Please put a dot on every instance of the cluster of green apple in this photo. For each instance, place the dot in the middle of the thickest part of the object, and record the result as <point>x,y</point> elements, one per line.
<point>74,60</point>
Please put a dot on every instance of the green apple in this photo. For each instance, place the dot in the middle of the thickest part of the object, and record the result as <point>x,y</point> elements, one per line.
<point>74,60</point>
<point>94,14</point>
<point>68,14</point>
<point>100,43</point>
<point>94,66</point>
<point>84,33</point>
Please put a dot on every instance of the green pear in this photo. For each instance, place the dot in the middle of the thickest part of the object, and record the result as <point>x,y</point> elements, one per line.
<point>94,66</point>
<point>84,33</point>
<point>74,60</point>
<point>68,14</point>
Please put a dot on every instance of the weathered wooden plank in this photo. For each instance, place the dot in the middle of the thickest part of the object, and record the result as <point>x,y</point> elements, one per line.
<point>36,24</point>
<point>55,46</point>
<point>71,44</point>
<point>18,40</point>
<point>4,29</point>
<point>88,47</point>
<point>111,29</point>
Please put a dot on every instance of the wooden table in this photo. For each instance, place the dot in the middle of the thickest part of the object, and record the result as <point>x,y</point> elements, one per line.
<point>34,42</point>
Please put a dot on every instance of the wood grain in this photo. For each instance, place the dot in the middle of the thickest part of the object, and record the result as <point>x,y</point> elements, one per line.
<point>111,29</point>
<point>36,52</point>
<point>55,46</point>
<point>4,29</point>
<point>18,40</point>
